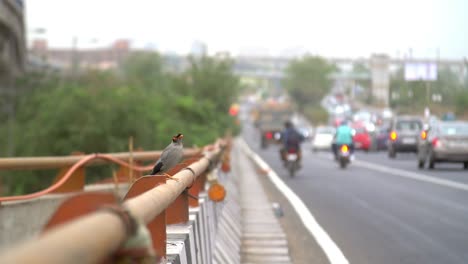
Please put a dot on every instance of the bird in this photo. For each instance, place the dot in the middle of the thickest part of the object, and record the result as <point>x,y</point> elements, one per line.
<point>170,156</point>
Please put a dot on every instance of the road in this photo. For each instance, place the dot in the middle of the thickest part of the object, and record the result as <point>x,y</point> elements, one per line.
<point>382,216</point>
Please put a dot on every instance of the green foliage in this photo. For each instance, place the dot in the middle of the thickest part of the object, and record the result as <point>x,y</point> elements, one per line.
<point>99,111</point>
<point>316,114</point>
<point>306,80</point>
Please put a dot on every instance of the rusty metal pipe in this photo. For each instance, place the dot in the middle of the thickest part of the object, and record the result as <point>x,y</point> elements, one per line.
<point>93,237</point>
<point>89,239</point>
<point>149,204</point>
<point>28,163</point>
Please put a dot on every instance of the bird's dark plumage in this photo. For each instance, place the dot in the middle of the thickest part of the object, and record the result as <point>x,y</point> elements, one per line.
<point>157,168</point>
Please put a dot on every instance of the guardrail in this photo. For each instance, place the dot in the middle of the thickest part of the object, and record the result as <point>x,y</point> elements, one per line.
<point>71,177</point>
<point>96,227</point>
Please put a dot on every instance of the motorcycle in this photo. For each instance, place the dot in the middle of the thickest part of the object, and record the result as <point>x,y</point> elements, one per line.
<point>344,156</point>
<point>292,161</point>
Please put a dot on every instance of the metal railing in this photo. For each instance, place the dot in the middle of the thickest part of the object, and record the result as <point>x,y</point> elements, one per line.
<point>77,162</point>
<point>95,236</point>
<point>28,163</point>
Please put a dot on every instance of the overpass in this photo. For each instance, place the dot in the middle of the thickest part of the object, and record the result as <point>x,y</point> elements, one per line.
<point>270,71</point>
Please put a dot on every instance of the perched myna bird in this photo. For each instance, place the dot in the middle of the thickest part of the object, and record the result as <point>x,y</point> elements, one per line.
<point>170,156</point>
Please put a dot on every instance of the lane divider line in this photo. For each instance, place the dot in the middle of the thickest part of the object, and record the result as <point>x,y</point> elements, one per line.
<point>407,174</point>
<point>331,250</point>
<point>412,175</point>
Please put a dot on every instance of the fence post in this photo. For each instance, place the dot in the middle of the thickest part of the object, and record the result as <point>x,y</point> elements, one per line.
<point>157,227</point>
<point>178,211</point>
<point>75,183</point>
<point>77,206</point>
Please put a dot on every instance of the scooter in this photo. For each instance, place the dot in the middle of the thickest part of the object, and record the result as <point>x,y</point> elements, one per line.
<point>292,163</point>
<point>344,156</point>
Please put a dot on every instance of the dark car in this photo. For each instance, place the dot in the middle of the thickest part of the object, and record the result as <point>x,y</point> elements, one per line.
<point>381,137</point>
<point>404,133</point>
<point>444,142</point>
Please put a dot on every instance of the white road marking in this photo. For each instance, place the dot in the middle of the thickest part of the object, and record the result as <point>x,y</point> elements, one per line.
<point>412,175</point>
<point>333,253</point>
<point>407,174</point>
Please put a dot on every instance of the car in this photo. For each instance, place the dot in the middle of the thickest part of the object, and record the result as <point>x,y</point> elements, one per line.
<point>362,138</point>
<point>382,135</point>
<point>323,138</point>
<point>444,142</point>
<point>404,132</point>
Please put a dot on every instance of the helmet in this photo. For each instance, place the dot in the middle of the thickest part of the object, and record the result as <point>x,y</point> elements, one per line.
<point>288,124</point>
<point>344,123</point>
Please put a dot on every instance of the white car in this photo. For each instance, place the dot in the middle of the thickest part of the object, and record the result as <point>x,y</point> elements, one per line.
<point>323,138</point>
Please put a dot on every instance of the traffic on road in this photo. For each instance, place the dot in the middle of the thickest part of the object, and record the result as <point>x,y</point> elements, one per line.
<point>403,198</point>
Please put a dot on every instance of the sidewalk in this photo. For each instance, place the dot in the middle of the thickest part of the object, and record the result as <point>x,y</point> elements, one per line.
<point>263,239</point>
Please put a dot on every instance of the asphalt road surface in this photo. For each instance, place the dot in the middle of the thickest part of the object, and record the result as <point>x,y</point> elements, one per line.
<point>382,215</point>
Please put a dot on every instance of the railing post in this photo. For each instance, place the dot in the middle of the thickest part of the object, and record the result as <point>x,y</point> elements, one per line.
<point>157,227</point>
<point>197,187</point>
<point>75,183</point>
<point>77,206</point>
<point>178,211</point>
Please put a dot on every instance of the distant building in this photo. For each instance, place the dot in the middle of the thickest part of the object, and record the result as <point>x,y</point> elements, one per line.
<point>99,58</point>
<point>380,77</point>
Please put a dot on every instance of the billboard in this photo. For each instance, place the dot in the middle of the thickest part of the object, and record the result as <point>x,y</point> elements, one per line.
<point>420,71</point>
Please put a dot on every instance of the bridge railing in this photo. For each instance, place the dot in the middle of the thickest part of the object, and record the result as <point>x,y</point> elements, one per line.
<point>68,180</point>
<point>97,227</point>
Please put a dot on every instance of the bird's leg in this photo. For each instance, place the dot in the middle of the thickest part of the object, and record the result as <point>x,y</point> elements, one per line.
<point>170,177</point>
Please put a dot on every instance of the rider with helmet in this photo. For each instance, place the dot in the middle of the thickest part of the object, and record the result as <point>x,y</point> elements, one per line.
<point>291,138</point>
<point>343,136</point>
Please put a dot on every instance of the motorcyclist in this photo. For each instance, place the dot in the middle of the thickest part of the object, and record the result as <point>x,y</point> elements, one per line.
<point>343,136</point>
<point>291,138</point>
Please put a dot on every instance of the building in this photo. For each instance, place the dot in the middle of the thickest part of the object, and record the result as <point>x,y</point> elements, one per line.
<point>380,73</point>
<point>68,58</point>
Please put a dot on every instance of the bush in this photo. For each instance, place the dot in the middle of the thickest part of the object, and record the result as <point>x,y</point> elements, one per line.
<point>99,111</point>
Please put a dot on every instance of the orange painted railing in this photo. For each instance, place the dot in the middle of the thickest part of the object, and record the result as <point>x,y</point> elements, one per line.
<point>99,235</point>
<point>82,162</point>
<point>78,162</point>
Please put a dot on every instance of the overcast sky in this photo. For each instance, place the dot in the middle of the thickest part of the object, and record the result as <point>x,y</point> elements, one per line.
<point>335,28</point>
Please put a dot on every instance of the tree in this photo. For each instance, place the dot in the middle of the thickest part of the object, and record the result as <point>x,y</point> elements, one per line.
<point>205,92</point>
<point>145,70</point>
<point>99,111</point>
<point>306,80</point>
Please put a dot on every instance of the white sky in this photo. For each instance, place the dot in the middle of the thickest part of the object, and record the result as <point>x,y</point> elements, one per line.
<point>335,28</point>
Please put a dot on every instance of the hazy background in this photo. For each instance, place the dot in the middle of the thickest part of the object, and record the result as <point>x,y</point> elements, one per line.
<point>261,27</point>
